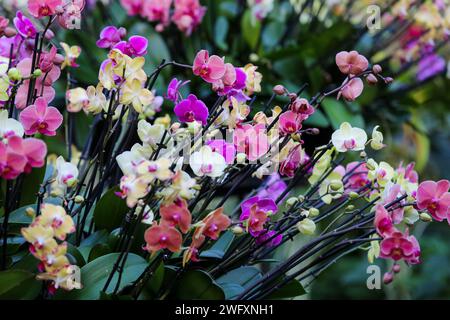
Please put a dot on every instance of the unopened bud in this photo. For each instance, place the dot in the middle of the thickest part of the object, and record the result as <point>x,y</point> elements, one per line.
<point>240,158</point>
<point>350,208</point>
<point>371,79</point>
<point>9,32</point>
<point>353,195</point>
<point>296,137</point>
<point>79,199</point>
<point>313,212</point>
<point>301,198</point>
<point>377,69</point>
<point>425,217</point>
<point>279,90</point>
<point>314,131</point>
<point>388,80</point>
<point>237,230</point>
<point>371,164</point>
<point>388,277</point>
<point>37,73</point>
<point>72,182</point>
<point>336,185</point>
<point>14,74</point>
<point>306,227</point>
<point>396,268</point>
<point>363,154</point>
<point>59,59</point>
<point>30,212</point>
<point>49,35</point>
<point>292,96</point>
<point>291,201</point>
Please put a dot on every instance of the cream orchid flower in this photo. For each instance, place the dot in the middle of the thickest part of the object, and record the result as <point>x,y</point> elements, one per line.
<point>347,138</point>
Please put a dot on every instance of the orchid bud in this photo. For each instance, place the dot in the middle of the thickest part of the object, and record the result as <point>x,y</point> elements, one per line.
<point>237,230</point>
<point>377,69</point>
<point>240,158</point>
<point>30,212</point>
<point>59,59</point>
<point>388,277</point>
<point>371,164</point>
<point>425,217</point>
<point>291,201</point>
<point>314,131</point>
<point>49,35</point>
<point>79,199</point>
<point>363,154</point>
<point>72,182</point>
<point>313,212</point>
<point>336,185</point>
<point>396,268</point>
<point>14,74</point>
<point>371,79</point>
<point>301,198</point>
<point>388,80</point>
<point>296,137</point>
<point>350,208</point>
<point>306,227</point>
<point>292,96</point>
<point>37,73</point>
<point>279,90</point>
<point>353,195</point>
<point>9,32</point>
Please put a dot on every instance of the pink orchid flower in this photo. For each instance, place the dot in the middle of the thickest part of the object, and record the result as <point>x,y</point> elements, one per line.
<point>158,10</point>
<point>192,109</point>
<point>188,14</point>
<point>43,8</point>
<point>12,161</point>
<point>208,68</point>
<point>302,106</point>
<point>351,62</point>
<point>46,62</point>
<point>41,118</point>
<point>358,176</point>
<point>3,25</point>
<point>136,46</point>
<point>383,221</point>
<point>351,89</point>
<point>290,122</point>
<point>227,150</point>
<point>133,7</point>
<point>435,198</point>
<point>24,26</point>
<point>251,140</point>
<point>292,162</point>
<point>71,13</point>
<point>110,36</point>
<point>399,246</point>
<point>173,90</point>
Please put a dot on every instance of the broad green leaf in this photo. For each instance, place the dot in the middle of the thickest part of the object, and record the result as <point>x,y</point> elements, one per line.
<point>242,276</point>
<point>291,289</point>
<point>337,112</point>
<point>154,283</point>
<point>251,29</point>
<point>110,211</point>
<point>98,250</point>
<point>197,285</point>
<point>31,184</point>
<point>219,248</point>
<point>18,284</point>
<point>231,290</point>
<point>220,32</point>
<point>95,274</point>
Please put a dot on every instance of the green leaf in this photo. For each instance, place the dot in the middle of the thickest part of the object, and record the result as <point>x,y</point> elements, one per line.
<point>251,29</point>
<point>337,112</point>
<point>19,216</point>
<point>220,32</point>
<point>291,289</point>
<point>154,283</point>
<point>219,248</point>
<point>196,285</point>
<point>98,250</point>
<point>18,284</point>
<point>76,255</point>
<point>95,274</point>
<point>242,276</point>
<point>232,290</point>
<point>31,184</point>
<point>110,211</point>
<point>317,119</point>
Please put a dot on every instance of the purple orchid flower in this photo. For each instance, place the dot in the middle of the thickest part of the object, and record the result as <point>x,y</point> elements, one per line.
<point>236,89</point>
<point>136,46</point>
<point>429,66</point>
<point>266,235</point>
<point>273,187</point>
<point>191,109</point>
<point>173,90</point>
<point>110,36</point>
<point>264,204</point>
<point>24,26</point>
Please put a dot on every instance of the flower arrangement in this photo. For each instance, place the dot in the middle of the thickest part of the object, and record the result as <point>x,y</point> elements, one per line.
<point>192,202</point>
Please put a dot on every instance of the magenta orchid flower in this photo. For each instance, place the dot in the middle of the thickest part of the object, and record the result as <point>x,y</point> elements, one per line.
<point>46,62</point>
<point>188,14</point>
<point>290,122</point>
<point>136,46</point>
<point>110,36</point>
<point>264,237</point>
<point>399,246</point>
<point>302,106</point>
<point>191,109</point>
<point>12,162</point>
<point>251,140</point>
<point>41,118</point>
<point>24,26</point>
<point>158,10</point>
<point>208,68</point>
<point>383,221</point>
<point>227,150</point>
<point>173,90</point>
<point>435,198</point>
<point>43,8</point>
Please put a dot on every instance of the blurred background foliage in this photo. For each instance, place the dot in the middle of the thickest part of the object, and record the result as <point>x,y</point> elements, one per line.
<point>296,44</point>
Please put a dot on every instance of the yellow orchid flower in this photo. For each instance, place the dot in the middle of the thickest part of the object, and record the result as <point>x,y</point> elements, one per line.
<point>38,235</point>
<point>70,55</point>
<point>159,169</point>
<point>134,94</point>
<point>56,218</point>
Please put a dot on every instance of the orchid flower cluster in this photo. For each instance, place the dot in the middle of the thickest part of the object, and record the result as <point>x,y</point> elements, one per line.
<point>186,15</point>
<point>176,173</point>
